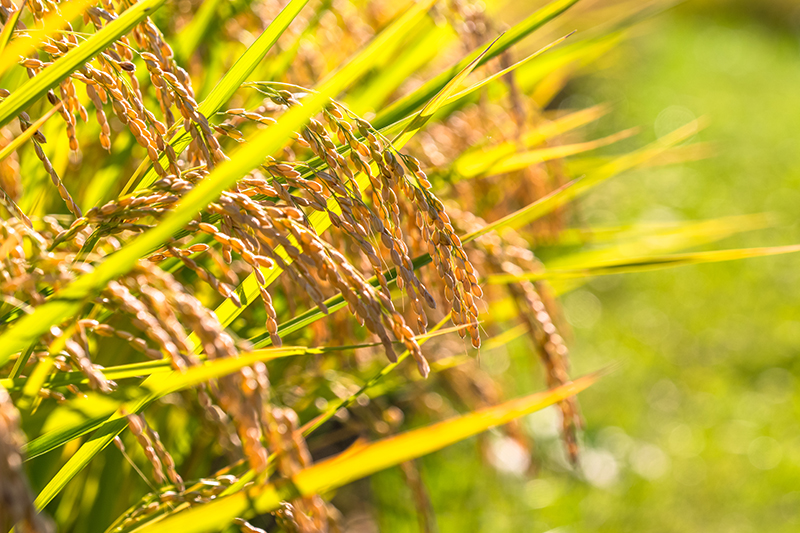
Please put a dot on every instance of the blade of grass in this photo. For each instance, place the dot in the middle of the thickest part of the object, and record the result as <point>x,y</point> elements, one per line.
<point>346,402</point>
<point>19,364</point>
<point>406,105</point>
<point>674,156</point>
<point>504,338</point>
<point>361,462</point>
<point>644,264</point>
<point>448,93</point>
<point>440,99</point>
<point>511,68</point>
<point>37,86</point>
<point>8,30</point>
<point>521,160</point>
<point>555,68</point>
<point>191,35</point>
<point>150,390</point>
<point>577,187</point>
<point>20,139</point>
<point>654,237</point>
<point>163,366</point>
<point>30,399</point>
<point>420,50</point>
<point>53,22</point>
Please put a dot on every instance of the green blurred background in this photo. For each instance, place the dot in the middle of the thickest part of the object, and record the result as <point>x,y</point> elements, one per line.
<point>698,430</point>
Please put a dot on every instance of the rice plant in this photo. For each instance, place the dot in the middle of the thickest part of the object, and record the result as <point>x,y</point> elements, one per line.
<point>193,191</point>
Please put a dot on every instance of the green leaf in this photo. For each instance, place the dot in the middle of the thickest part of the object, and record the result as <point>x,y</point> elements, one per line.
<point>246,64</point>
<point>164,366</point>
<point>192,34</point>
<point>20,139</point>
<point>51,76</point>
<point>644,264</point>
<point>360,462</point>
<point>439,100</point>
<point>346,402</point>
<point>419,50</point>
<point>153,388</point>
<point>448,93</point>
<point>575,188</point>
<point>475,159</point>
<point>82,415</point>
<point>654,238</point>
<point>518,161</point>
<point>8,31</point>
<point>509,69</point>
<point>406,105</point>
<point>53,22</point>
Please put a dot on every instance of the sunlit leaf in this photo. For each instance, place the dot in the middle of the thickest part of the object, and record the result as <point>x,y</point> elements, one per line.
<point>408,104</point>
<point>12,49</point>
<point>36,87</point>
<point>643,264</point>
<point>360,462</point>
<point>23,137</point>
